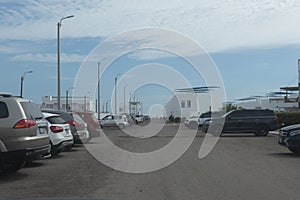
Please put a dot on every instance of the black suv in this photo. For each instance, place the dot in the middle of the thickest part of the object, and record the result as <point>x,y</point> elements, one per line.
<point>256,121</point>
<point>289,136</point>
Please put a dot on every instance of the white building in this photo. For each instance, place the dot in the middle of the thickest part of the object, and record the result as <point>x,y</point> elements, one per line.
<point>188,104</point>
<point>276,103</point>
<point>78,103</point>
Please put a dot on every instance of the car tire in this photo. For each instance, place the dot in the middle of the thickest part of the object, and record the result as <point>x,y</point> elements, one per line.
<point>121,126</point>
<point>193,125</point>
<point>12,167</point>
<point>295,150</point>
<point>54,152</point>
<point>216,129</point>
<point>262,130</point>
<point>87,138</point>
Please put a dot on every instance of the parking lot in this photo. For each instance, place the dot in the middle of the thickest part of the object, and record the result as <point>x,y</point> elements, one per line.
<point>241,166</point>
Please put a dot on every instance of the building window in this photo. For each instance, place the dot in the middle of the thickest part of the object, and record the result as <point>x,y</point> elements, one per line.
<point>188,104</point>
<point>182,104</point>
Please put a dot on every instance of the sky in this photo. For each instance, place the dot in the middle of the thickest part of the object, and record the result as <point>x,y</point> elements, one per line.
<point>254,45</point>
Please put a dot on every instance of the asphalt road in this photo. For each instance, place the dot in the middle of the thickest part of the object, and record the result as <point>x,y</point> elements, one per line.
<point>239,167</point>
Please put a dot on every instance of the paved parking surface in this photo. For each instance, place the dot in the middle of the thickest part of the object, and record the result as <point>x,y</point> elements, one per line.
<point>239,167</point>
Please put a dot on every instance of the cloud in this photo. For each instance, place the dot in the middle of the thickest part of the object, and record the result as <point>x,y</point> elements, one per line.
<point>217,25</point>
<point>49,58</point>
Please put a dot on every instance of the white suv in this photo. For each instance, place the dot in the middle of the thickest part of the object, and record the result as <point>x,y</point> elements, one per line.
<point>196,122</point>
<point>59,133</point>
<point>120,121</point>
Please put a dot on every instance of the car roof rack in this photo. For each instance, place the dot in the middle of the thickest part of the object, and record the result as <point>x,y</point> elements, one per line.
<point>5,94</point>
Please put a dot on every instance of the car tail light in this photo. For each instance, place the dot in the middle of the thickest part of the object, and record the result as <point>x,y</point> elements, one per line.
<point>56,129</point>
<point>25,123</point>
<point>73,123</point>
<point>276,120</point>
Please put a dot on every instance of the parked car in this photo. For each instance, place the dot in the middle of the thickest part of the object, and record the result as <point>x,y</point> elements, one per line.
<point>120,121</point>
<point>23,132</point>
<point>139,119</point>
<point>146,119</point>
<point>59,133</point>
<point>289,137</point>
<point>256,121</point>
<point>83,134</point>
<point>197,122</point>
<point>78,126</point>
<point>91,119</point>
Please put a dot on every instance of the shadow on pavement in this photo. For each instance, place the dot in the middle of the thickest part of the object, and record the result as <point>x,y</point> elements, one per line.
<point>285,155</point>
<point>11,177</point>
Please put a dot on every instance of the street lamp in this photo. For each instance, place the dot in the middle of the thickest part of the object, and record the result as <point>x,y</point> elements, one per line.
<point>22,80</point>
<point>124,109</point>
<point>58,59</point>
<point>116,79</point>
<point>67,98</point>
<point>98,102</point>
<point>106,105</point>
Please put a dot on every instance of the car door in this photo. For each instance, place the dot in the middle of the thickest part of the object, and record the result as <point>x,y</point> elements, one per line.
<point>107,120</point>
<point>233,121</point>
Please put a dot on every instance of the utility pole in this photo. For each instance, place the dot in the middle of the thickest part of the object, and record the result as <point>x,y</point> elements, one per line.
<point>58,58</point>
<point>22,82</point>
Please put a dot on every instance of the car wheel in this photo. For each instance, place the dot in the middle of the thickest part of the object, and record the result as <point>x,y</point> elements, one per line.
<point>262,130</point>
<point>12,166</point>
<point>87,138</point>
<point>121,126</point>
<point>215,129</point>
<point>295,150</point>
<point>54,152</point>
<point>193,125</point>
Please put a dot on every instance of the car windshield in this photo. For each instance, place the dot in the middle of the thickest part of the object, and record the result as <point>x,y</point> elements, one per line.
<point>77,118</point>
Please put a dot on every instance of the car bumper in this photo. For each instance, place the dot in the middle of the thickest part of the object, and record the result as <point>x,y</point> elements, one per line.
<point>64,144</point>
<point>81,135</point>
<point>289,142</point>
<point>37,153</point>
<point>26,154</point>
<point>204,128</point>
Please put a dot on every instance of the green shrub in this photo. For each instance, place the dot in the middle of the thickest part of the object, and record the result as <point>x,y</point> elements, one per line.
<point>288,118</point>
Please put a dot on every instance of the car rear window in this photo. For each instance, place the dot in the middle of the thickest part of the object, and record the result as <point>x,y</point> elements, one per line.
<point>3,110</point>
<point>31,110</point>
<point>56,120</point>
<point>77,118</point>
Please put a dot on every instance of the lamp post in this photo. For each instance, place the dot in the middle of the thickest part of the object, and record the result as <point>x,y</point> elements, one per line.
<point>124,109</point>
<point>98,101</point>
<point>58,58</point>
<point>67,98</point>
<point>85,101</point>
<point>106,109</point>
<point>22,80</point>
<point>116,79</point>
